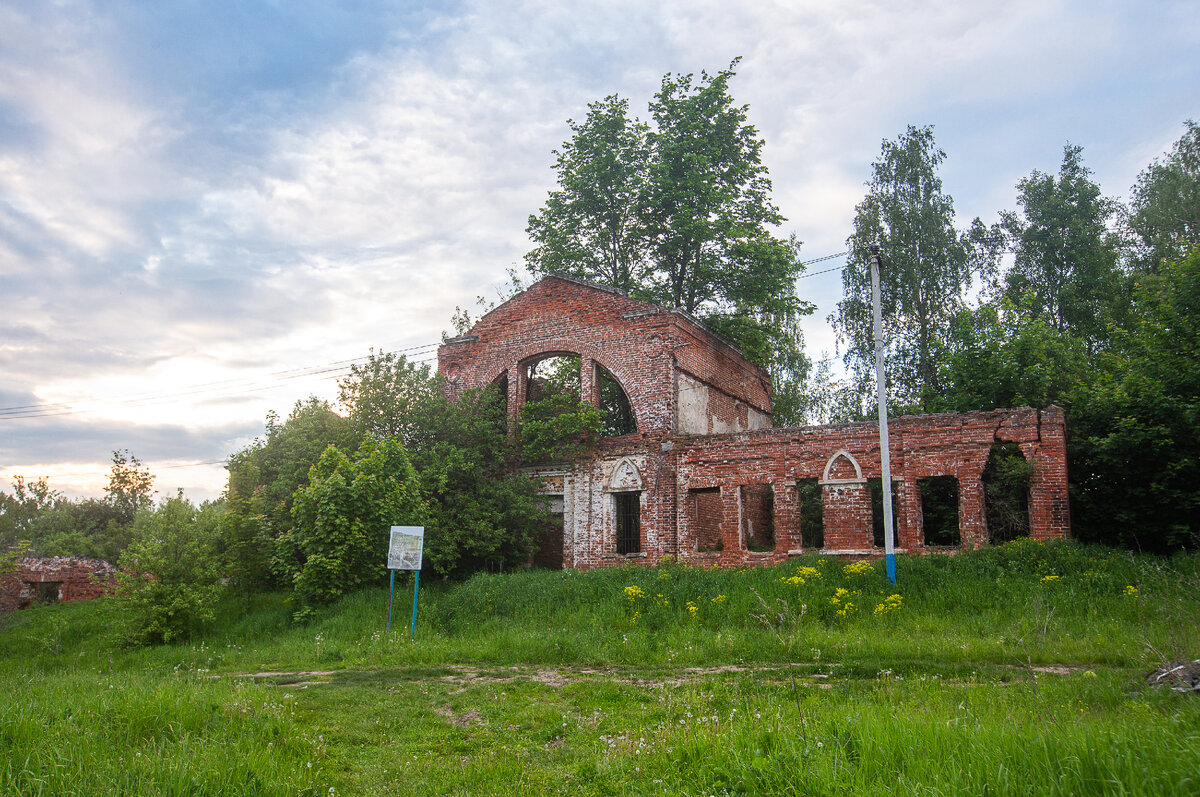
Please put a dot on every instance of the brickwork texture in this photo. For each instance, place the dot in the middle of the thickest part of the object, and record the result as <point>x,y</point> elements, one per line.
<point>715,483</point>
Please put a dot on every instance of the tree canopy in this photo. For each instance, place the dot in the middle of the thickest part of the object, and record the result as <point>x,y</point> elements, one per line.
<point>678,212</point>
<point>1065,266</point>
<point>926,269</point>
<point>1164,210</point>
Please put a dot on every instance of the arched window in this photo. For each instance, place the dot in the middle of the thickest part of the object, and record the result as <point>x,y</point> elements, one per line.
<point>618,418</point>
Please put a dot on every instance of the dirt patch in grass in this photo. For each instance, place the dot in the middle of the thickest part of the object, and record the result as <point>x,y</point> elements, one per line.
<point>464,720</point>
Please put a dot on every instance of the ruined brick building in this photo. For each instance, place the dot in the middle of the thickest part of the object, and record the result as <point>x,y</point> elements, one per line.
<point>703,475</point>
<point>56,579</point>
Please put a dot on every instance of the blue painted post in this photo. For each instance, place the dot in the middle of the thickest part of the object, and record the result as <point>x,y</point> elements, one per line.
<point>416,587</point>
<point>885,454</point>
<point>391,589</point>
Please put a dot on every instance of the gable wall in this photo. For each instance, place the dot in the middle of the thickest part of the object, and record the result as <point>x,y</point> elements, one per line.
<point>688,390</point>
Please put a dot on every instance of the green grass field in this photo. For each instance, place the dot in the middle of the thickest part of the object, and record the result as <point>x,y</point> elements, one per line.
<point>1014,670</point>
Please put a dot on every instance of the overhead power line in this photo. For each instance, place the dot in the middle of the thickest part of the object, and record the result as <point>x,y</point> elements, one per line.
<point>222,388</point>
<point>419,353</point>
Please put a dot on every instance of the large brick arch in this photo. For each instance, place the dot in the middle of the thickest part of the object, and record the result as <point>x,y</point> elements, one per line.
<point>624,376</point>
<point>644,347</point>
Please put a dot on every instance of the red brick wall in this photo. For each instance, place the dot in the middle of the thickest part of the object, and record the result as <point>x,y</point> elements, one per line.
<point>640,344</point>
<point>79,578</point>
<point>930,445</point>
<point>649,350</point>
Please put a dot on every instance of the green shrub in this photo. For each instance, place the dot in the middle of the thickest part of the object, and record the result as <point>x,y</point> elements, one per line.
<point>343,517</point>
<point>169,582</point>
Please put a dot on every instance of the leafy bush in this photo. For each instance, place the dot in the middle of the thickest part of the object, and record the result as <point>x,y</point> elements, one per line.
<point>170,576</point>
<point>343,517</point>
<point>1136,435</point>
<point>558,427</point>
<point>482,512</point>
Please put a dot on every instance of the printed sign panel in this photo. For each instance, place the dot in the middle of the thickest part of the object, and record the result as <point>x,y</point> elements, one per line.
<point>405,547</point>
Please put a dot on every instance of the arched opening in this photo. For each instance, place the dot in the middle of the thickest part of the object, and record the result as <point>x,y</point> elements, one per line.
<point>555,374</point>
<point>1006,493</point>
<point>496,398</point>
<point>616,411</point>
<point>625,486</point>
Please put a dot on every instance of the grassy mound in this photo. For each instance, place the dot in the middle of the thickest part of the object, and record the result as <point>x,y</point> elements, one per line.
<point>995,670</point>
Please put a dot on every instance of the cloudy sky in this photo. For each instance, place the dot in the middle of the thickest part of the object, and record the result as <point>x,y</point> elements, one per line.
<point>209,207</point>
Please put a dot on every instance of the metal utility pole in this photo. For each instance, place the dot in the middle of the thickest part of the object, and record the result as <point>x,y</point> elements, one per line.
<point>885,452</point>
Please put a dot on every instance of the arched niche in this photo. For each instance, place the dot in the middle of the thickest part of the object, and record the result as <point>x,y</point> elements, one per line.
<point>625,477</point>
<point>842,468</point>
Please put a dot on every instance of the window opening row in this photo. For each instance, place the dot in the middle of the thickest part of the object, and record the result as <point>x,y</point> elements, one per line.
<point>1005,483</point>
<point>1006,508</point>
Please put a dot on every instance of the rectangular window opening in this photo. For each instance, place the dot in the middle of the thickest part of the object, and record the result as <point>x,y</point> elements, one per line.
<point>876,485</point>
<point>758,517</point>
<point>939,510</point>
<point>812,513</point>
<point>47,591</point>
<point>629,522</point>
<point>706,519</point>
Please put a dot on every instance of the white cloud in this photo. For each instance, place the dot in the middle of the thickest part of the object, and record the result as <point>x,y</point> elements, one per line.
<point>152,239</point>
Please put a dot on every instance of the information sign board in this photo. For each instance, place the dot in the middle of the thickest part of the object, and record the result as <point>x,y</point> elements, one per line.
<point>405,547</point>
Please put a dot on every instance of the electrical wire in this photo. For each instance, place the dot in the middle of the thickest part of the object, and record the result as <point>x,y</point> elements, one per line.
<point>272,381</point>
<point>229,387</point>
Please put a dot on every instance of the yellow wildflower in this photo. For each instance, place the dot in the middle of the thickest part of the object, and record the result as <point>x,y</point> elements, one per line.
<point>858,568</point>
<point>890,604</point>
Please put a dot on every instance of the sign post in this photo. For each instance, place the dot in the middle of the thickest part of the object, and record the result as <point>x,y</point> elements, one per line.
<point>405,549</point>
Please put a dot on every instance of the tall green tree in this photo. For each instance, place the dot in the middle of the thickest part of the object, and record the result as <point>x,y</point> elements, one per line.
<point>590,226</point>
<point>21,509</point>
<point>130,486</point>
<point>380,397</point>
<point>708,208</point>
<point>1164,210</point>
<point>927,267</point>
<point>1000,355</point>
<point>1065,266</point>
<point>678,212</point>
<point>1136,432</point>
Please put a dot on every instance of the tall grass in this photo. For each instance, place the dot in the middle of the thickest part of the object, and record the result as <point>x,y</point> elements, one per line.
<point>86,733</point>
<point>1011,670</point>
